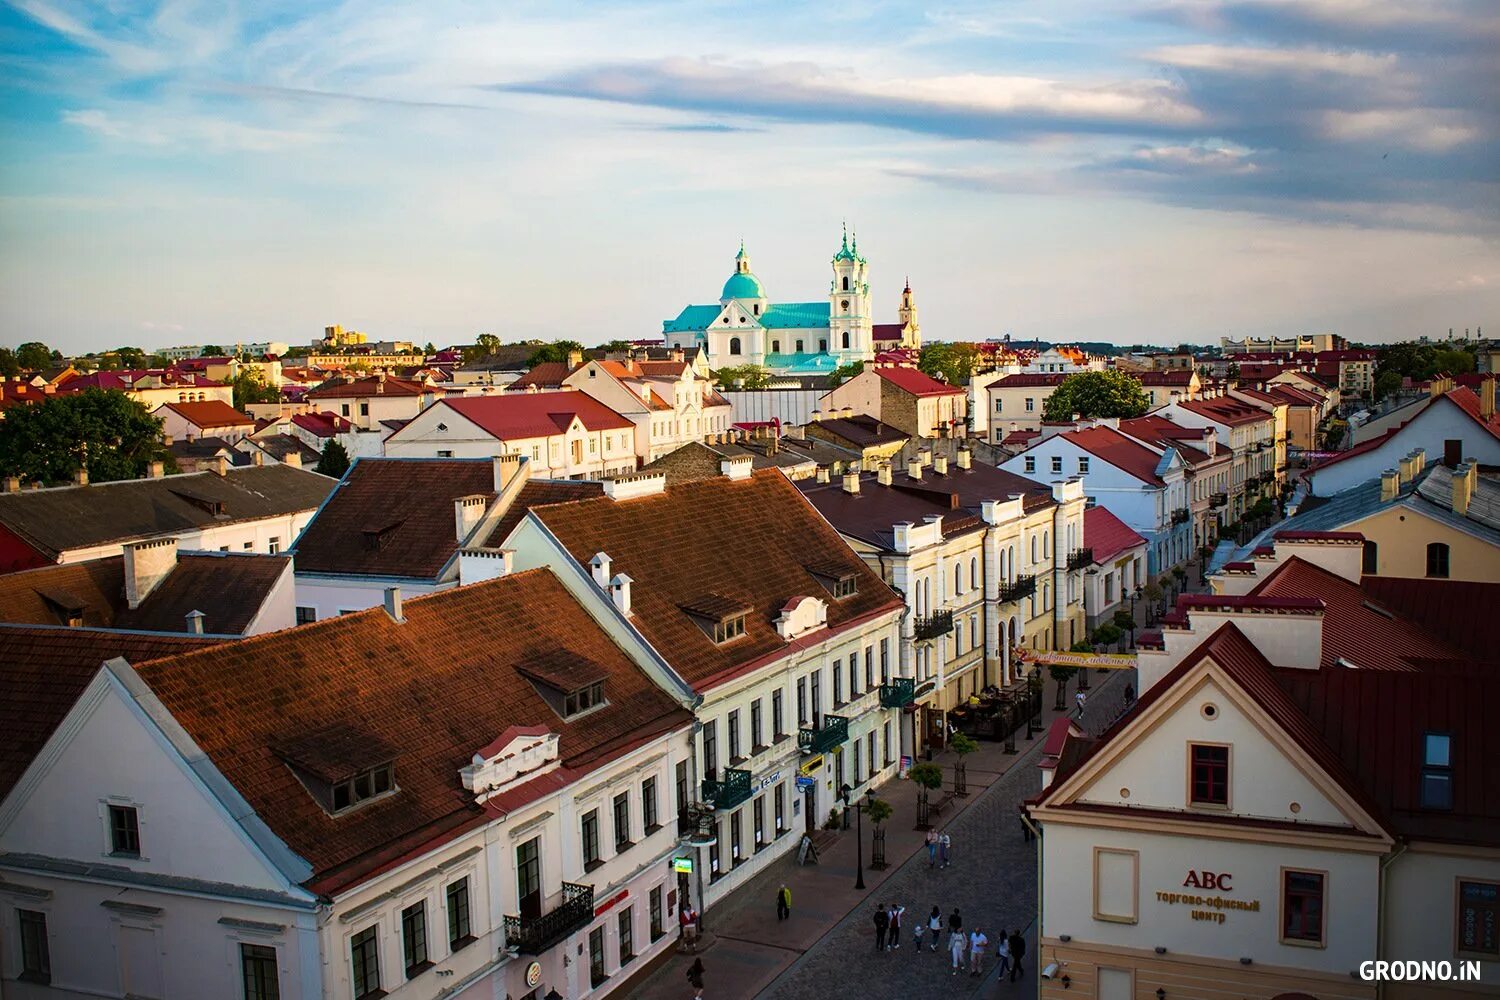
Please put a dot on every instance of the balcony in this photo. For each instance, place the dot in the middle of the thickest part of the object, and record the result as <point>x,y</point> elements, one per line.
<point>534,935</point>
<point>726,794</point>
<point>1020,587</point>
<point>1080,558</point>
<point>1181,515</point>
<point>933,626</point>
<point>835,731</point>
<point>1218,499</point>
<point>899,693</point>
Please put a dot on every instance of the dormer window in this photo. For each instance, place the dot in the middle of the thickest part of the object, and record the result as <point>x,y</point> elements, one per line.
<point>840,581</point>
<point>364,785</point>
<point>576,702</point>
<point>569,684</point>
<point>721,618</point>
<point>729,629</point>
<point>341,767</point>
<point>1437,771</point>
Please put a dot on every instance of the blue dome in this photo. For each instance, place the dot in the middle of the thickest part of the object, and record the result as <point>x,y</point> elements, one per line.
<point>743,286</point>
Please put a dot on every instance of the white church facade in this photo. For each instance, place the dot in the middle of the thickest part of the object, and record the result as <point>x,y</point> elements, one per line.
<point>805,338</point>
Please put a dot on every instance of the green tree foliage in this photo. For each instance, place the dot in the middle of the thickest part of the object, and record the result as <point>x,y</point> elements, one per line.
<point>34,355</point>
<point>615,345</point>
<point>9,366</point>
<point>484,345</point>
<point>844,373</point>
<point>954,362</point>
<point>250,387</point>
<point>928,776</point>
<point>879,810</point>
<point>962,745</point>
<point>113,434</point>
<point>430,349</point>
<point>1386,383</point>
<point>335,460</point>
<point>557,351</point>
<point>1107,634</point>
<point>1419,362</point>
<point>748,377</point>
<point>211,351</point>
<point>1110,393</point>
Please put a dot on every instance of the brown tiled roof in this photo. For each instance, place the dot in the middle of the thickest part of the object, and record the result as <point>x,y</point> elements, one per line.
<point>861,431</point>
<point>373,385</point>
<point>229,588</point>
<point>536,493</point>
<point>210,413</point>
<point>44,669</point>
<point>749,540</point>
<point>73,517</point>
<point>430,691</point>
<point>393,517</point>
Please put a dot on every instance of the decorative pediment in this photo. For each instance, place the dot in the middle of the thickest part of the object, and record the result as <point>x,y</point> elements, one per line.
<point>517,755</point>
<point>801,615</point>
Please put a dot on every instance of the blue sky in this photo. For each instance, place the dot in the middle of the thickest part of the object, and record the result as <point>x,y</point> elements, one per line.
<point>1162,170</point>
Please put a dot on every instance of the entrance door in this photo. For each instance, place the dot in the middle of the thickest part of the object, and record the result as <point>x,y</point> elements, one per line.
<point>529,878</point>
<point>810,808</point>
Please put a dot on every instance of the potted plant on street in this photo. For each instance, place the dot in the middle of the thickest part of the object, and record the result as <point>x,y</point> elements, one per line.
<point>879,810</point>
<point>962,745</point>
<point>928,778</point>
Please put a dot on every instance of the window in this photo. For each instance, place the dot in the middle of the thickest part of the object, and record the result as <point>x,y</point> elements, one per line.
<point>682,785</point>
<point>854,675</point>
<point>1210,774</point>
<point>654,909</point>
<point>364,785</point>
<point>885,661</point>
<point>816,698</point>
<point>885,739</point>
<point>760,822</point>
<point>729,628</point>
<point>838,686</point>
<point>590,834</point>
<point>36,956</point>
<point>124,831</point>
<point>1479,918</point>
<point>781,807</point>
<point>1056,464</point>
<point>776,714</point>
<point>735,841</point>
<point>799,347</point>
<point>364,957</point>
<point>247,546</point>
<point>1371,561</point>
<point>1030,464</point>
<point>258,966</point>
<point>870,751</point>
<point>345,409</point>
<point>414,939</point>
<point>775,344</point>
<point>732,724</point>
<point>596,956</point>
<point>627,934</point>
<point>823,344</point>
<point>734,345</point>
<point>583,699</point>
<point>802,701</point>
<point>869,667</point>
<point>998,406</point>
<point>459,930</point>
<point>306,616</point>
<point>1437,560</point>
<point>445,454</point>
<point>1083,466</point>
<point>622,821</point>
<point>755,727</point>
<point>846,340</point>
<point>1302,906</point>
<point>846,587</point>
<point>714,854</point>
<point>710,750</point>
<point>1437,771</point>
<point>1030,404</point>
<point>648,805</point>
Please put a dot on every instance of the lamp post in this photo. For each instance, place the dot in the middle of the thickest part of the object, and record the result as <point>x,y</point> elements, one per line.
<point>859,830</point>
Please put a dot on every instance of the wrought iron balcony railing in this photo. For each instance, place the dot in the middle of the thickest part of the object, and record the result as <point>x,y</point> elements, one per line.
<point>833,732</point>
<point>1181,515</point>
<point>534,935</point>
<point>730,792</point>
<point>1020,587</point>
<point>1218,499</point>
<point>900,692</point>
<point>1080,558</point>
<point>932,626</point>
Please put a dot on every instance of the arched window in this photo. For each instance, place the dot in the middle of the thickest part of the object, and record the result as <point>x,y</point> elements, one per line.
<point>846,282</point>
<point>734,345</point>
<point>775,347</point>
<point>799,347</point>
<point>1046,597</point>
<point>1437,560</point>
<point>958,578</point>
<point>756,307</point>
<point>1372,558</point>
<point>846,340</point>
<point>822,347</point>
<point>1033,550</point>
<point>973,569</point>
<point>1046,548</point>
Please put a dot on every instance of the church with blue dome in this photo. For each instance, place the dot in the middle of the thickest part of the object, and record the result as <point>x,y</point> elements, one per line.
<point>747,327</point>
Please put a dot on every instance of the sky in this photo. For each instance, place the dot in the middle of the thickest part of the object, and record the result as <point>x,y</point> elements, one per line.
<point>1122,170</point>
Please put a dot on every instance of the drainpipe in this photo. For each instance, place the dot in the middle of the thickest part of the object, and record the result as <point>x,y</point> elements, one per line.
<point>1380,947</point>
<point>984,593</point>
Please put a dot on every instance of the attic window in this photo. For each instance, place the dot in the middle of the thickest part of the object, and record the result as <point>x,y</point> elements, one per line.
<point>375,537</point>
<point>1437,771</point>
<point>341,767</point>
<point>729,629</point>
<point>840,581</point>
<point>721,618</point>
<point>363,786</point>
<point>208,504</point>
<point>577,702</point>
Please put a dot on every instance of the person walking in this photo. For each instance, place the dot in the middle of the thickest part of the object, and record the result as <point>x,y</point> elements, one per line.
<point>935,925</point>
<point>956,945</point>
<point>882,923</point>
<point>1017,952</point>
<point>1002,952</point>
<point>893,938</point>
<point>783,902</point>
<point>695,975</point>
<point>932,846</point>
<point>944,843</point>
<point>977,944</point>
<point>918,928</point>
<point>1079,699</point>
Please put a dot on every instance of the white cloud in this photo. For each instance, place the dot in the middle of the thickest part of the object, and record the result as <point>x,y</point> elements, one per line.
<point>1433,130</point>
<point>1260,61</point>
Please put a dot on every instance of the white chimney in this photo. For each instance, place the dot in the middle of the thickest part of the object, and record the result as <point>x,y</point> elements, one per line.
<point>157,470</point>
<point>736,468</point>
<point>940,464</point>
<point>147,564</point>
<point>883,474</point>
<point>293,458</point>
<point>599,567</point>
<point>914,469</point>
<point>822,474</point>
<point>393,604</point>
<point>467,512</point>
<point>851,483</point>
<point>619,591</point>
<point>965,458</point>
<point>195,622</point>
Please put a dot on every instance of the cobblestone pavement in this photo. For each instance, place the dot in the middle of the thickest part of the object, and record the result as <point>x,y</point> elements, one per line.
<point>991,880</point>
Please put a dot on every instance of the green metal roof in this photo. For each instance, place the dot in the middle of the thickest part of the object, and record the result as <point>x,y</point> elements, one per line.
<point>794,315</point>
<point>743,286</point>
<point>691,318</point>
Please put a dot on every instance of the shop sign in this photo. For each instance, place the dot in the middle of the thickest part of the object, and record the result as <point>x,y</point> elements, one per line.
<point>611,901</point>
<point>684,865</point>
<point>1208,908</point>
<point>803,784</point>
<point>1093,661</point>
<point>534,974</point>
<point>766,781</point>
<point>811,766</point>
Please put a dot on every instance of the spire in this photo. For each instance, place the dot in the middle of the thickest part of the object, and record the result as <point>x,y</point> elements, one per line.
<point>854,246</point>
<point>908,284</point>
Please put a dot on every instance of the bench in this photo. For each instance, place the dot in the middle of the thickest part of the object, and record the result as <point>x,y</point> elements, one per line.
<point>936,806</point>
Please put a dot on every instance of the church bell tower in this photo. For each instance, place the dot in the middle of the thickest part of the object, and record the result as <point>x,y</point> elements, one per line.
<point>849,315</point>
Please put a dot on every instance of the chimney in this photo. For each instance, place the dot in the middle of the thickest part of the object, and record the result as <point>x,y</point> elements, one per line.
<point>736,468</point>
<point>964,458</point>
<point>940,464</point>
<point>12,484</point>
<point>1390,484</point>
<point>467,512</point>
<point>393,604</point>
<point>1487,399</point>
<point>257,458</point>
<point>166,440</point>
<point>914,469</point>
<point>619,592</point>
<point>195,622</point>
<point>292,458</point>
<point>599,568</point>
<point>575,358</point>
<point>883,474</point>
<point>851,483</point>
<point>822,473</point>
<point>221,465</point>
<point>1406,465</point>
<point>156,470</point>
<point>1463,488</point>
<point>147,564</point>
<point>81,477</point>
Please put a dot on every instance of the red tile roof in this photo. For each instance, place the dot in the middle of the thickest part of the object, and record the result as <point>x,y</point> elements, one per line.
<point>516,416</point>
<point>210,413</point>
<point>324,425</point>
<point>371,385</point>
<point>1107,535</point>
<point>431,691</point>
<point>1123,453</point>
<point>540,493</point>
<point>547,375</point>
<point>1024,380</point>
<point>1226,410</point>
<point>918,383</point>
<point>750,540</point>
<point>1180,376</point>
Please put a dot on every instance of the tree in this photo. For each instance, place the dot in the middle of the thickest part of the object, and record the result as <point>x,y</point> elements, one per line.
<point>484,345</point>
<point>33,355</point>
<point>1387,383</point>
<point>1110,393</point>
<point>430,349</point>
<point>210,351</point>
<point>250,387</point>
<point>103,431</point>
<point>335,460</point>
<point>1062,675</point>
<point>962,745</point>
<point>927,776</point>
<point>1123,619</point>
<point>954,362</point>
<point>615,346</point>
<point>844,373</point>
<point>879,810</point>
<point>9,366</point>
<point>557,351</point>
<point>1108,634</point>
<point>1232,371</point>
<point>743,377</point>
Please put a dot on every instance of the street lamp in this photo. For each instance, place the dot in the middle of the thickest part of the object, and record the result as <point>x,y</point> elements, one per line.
<point>859,830</point>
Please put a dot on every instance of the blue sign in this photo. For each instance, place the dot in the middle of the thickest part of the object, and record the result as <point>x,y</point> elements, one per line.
<point>805,783</point>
